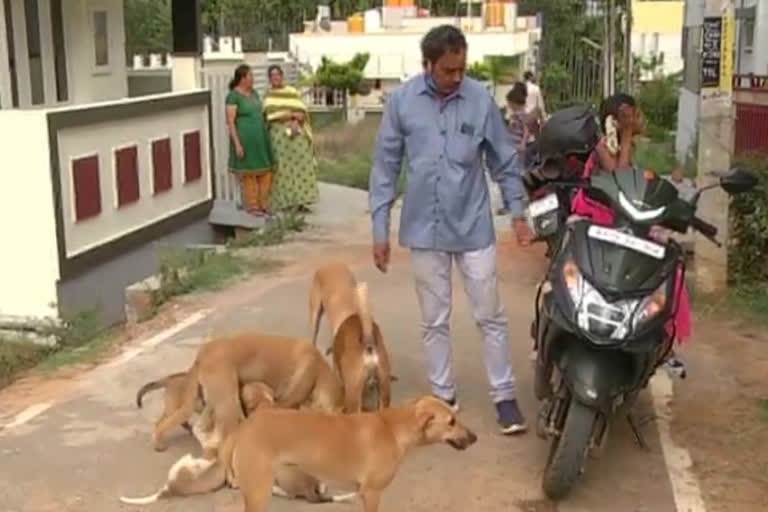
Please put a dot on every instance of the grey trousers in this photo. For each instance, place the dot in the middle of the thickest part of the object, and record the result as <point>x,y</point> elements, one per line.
<point>432,275</point>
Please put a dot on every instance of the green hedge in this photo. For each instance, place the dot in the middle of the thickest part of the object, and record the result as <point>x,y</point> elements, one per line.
<point>748,245</point>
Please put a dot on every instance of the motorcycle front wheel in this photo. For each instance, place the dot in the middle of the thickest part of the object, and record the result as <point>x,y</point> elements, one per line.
<point>569,451</point>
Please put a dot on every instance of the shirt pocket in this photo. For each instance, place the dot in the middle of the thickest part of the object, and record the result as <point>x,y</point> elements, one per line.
<point>463,149</point>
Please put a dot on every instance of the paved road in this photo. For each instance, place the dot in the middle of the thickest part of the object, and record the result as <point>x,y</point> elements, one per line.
<point>93,445</point>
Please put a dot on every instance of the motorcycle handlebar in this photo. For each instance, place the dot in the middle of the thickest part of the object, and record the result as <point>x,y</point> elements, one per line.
<point>704,227</point>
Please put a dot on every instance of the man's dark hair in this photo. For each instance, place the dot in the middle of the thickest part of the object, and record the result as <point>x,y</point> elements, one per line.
<point>518,94</point>
<point>528,76</point>
<point>441,40</point>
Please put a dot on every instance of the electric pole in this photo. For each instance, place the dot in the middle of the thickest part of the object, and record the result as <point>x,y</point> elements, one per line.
<point>715,135</point>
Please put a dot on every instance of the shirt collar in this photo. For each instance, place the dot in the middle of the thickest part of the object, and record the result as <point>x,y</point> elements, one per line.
<point>427,88</point>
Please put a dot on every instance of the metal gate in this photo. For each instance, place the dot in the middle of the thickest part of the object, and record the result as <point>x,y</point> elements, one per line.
<point>751,128</point>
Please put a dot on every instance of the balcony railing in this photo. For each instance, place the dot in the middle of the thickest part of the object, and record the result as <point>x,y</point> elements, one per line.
<point>750,82</point>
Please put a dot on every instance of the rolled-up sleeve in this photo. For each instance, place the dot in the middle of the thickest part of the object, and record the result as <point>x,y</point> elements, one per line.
<point>504,160</point>
<point>387,164</point>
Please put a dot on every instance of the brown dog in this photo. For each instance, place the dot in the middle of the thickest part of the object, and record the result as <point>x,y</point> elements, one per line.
<point>174,394</point>
<point>359,354</point>
<point>294,369</point>
<point>289,482</point>
<point>363,450</point>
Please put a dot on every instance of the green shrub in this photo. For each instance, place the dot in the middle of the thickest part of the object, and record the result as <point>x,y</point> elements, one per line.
<point>748,244</point>
<point>658,100</point>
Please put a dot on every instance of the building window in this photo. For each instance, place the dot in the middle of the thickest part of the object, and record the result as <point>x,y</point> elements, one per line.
<point>162,170</point>
<point>193,158</point>
<point>748,35</point>
<point>59,52</point>
<point>34,53</point>
<point>100,38</point>
<point>127,175</point>
<point>86,187</point>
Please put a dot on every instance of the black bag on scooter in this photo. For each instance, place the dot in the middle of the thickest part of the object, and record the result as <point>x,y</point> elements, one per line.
<point>570,131</point>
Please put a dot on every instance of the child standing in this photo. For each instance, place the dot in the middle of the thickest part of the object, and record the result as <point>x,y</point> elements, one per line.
<point>517,121</point>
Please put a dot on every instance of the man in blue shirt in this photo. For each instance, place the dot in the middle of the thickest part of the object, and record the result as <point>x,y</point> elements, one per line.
<point>446,123</point>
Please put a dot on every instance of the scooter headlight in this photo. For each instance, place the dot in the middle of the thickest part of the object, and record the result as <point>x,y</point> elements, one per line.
<point>651,306</point>
<point>593,314</point>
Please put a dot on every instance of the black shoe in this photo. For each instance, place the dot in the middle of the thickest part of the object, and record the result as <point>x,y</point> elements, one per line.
<point>502,211</point>
<point>676,367</point>
<point>510,419</point>
<point>453,403</point>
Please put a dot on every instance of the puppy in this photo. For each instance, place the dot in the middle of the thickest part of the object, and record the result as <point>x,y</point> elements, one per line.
<point>294,369</point>
<point>183,478</point>
<point>174,387</point>
<point>364,450</point>
<point>359,354</point>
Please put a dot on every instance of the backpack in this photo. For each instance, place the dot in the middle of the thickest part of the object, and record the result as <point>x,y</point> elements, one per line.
<point>572,130</point>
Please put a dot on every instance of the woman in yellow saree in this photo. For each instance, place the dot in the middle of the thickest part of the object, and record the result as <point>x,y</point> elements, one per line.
<point>295,183</point>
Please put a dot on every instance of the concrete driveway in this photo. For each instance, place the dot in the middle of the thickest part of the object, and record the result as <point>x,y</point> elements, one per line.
<point>92,444</point>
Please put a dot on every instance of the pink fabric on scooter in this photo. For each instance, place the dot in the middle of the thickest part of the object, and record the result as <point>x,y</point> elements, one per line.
<point>681,324</point>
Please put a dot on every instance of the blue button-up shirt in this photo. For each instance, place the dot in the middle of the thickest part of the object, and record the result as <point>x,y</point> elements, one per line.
<point>446,205</point>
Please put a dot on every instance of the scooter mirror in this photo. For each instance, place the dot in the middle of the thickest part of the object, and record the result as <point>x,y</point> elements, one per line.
<point>737,181</point>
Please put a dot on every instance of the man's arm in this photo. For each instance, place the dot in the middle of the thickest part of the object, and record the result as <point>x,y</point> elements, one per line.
<point>387,163</point>
<point>504,160</point>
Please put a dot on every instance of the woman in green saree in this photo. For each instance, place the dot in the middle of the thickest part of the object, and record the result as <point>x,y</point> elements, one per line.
<point>295,184</point>
<point>250,154</point>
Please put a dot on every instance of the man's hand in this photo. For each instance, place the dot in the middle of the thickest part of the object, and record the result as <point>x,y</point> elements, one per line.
<point>522,231</point>
<point>381,255</point>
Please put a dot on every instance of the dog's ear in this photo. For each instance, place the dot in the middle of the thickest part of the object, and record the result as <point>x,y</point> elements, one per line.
<point>425,417</point>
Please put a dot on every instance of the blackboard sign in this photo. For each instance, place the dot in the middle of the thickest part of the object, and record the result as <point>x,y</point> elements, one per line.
<point>711,51</point>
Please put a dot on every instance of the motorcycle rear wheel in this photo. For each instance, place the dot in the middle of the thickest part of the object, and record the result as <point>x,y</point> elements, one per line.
<point>569,451</point>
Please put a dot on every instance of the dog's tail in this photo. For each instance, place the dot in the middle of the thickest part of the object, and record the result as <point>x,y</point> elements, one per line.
<point>155,384</point>
<point>146,500</point>
<point>366,319</point>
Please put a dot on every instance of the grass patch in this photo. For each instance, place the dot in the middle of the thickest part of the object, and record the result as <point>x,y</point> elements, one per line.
<point>764,409</point>
<point>79,338</point>
<point>345,154</point>
<point>274,231</point>
<point>186,270</point>
<point>18,355</point>
<point>744,304</point>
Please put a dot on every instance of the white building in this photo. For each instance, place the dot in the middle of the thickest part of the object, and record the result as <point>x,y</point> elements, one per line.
<point>391,36</point>
<point>657,31</point>
<point>92,180</point>
<point>750,93</point>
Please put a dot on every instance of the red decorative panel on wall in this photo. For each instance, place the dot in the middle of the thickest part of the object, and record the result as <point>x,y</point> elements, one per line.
<point>87,189</point>
<point>162,170</point>
<point>127,175</point>
<point>193,158</point>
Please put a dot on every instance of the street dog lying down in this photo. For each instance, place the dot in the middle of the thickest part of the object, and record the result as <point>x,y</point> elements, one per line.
<point>363,450</point>
<point>289,482</point>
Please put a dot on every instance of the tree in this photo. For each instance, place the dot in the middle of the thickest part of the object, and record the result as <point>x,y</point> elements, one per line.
<point>147,27</point>
<point>346,77</point>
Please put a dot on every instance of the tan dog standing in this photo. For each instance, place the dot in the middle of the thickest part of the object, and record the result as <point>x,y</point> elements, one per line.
<point>294,369</point>
<point>289,482</point>
<point>359,353</point>
<point>363,450</point>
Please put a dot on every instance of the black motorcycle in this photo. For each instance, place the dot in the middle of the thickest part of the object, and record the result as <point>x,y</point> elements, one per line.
<point>603,312</point>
